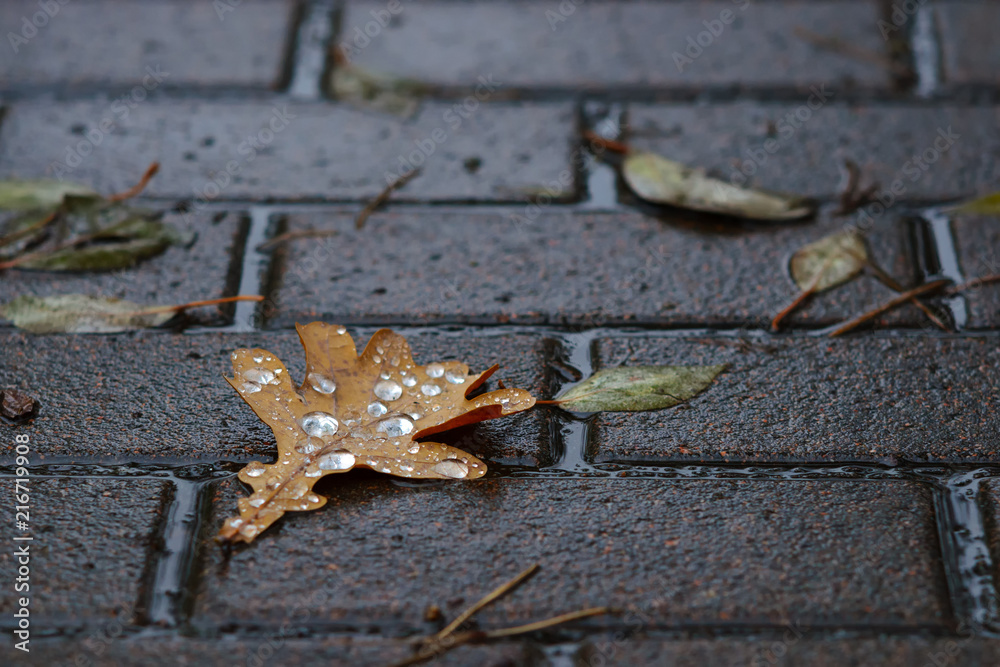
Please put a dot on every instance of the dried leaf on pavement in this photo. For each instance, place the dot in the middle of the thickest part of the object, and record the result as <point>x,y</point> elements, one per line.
<point>662,181</point>
<point>351,411</point>
<point>637,388</point>
<point>832,260</point>
<point>80,313</point>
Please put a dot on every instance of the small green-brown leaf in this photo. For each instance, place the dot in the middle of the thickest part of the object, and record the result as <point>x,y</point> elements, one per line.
<point>30,195</point>
<point>377,91</point>
<point>662,181</point>
<point>79,313</point>
<point>636,388</point>
<point>836,258</point>
<point>987,205</point>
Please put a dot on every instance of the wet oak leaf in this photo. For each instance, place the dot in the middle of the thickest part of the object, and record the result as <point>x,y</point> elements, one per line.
<point>355,411</point>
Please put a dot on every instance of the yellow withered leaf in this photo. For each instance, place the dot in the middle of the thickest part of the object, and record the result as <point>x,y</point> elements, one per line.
<point>355,411</point>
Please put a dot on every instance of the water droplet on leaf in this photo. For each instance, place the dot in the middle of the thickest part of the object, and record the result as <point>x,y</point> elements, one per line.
<point>319,424</point>
<point>388,390</point>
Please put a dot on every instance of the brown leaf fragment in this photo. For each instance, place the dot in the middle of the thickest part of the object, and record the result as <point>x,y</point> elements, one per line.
<point>353,410</point>
<point>16,405</point>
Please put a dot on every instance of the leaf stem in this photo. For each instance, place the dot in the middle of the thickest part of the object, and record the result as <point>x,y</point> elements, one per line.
<point>497,593</point>
<point>888,305</point>
<point>891,283</point>
<point>607,144</point>
<point>198,304</point>
<point>808,291</point>
<point>138,187</point>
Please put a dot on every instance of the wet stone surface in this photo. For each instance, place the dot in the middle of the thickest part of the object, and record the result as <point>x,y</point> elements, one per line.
<point>206,269</point>
<point>155,396</point>
<point>681,552</point>
<point>969,52</point>
<point>861,398</point>
<point>271,649</point>
<point>796,646</point>
<point>497,266</point>
<point>86,567</point>
<point>990,496</point>
<point>167,44</point>
<point>591,45</point>
<point>265,150</point>
<point>795,149</point>
<point>977,241</point>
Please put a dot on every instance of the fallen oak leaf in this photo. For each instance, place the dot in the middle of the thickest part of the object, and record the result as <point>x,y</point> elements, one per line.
<point>80,313</point>
<point>353,410</point>
<point>637,388</point>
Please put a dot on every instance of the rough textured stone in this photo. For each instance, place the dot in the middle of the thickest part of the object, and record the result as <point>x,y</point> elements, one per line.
<point>977,241</point>
<point>795,648</point>
<point>207,269</point>
<point>602,45</point>
<point>318,151</point>
<point>268,649</point>
<point>156,396</point>
<point>188,43</point>
<point>969,49</point>
<point>854,399</point>
<point>991,518</point>
<point>882,140</point>
<point>705,552</point>
<point>86,567</point>
<point>479,266</point>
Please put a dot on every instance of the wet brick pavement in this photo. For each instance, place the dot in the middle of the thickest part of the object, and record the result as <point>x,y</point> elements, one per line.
<point>824,502</point>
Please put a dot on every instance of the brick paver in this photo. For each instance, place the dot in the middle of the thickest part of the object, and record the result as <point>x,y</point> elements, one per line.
<point>929,153</point>
<point>555,266</point>
<point>978,248</point>
<point>609,45</point>
<point>265,150</point>
<point>149,45</point>
<point>816,552</point>
<point>85,566</point>
<point>858,399</point>
<point>816,505</point>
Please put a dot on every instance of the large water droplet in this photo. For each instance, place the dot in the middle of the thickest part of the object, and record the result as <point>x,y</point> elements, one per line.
<point>256,502</point>
<point>451,468</point>
<point>388,390</point>
<point>319,424</point>
<point>431,389</point>
<point>254,469</point>
<point>341,330</point>
<point>377,409</point>
<point>259,375</point>
<point>435,370</point>
<point>413,449</point>
<point>296,490</point>
<point>308,445</point>
<point>454,377</point>
<point>338,460</point>
<point>377,359</point>
<point>395,427</point>
<point>250,387</point>
<point>258,358</point>
<point>322,383</point>
<point>410,380</point>
<point>273,481</point>
<point>249,530</point>
<point>406,467</point>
